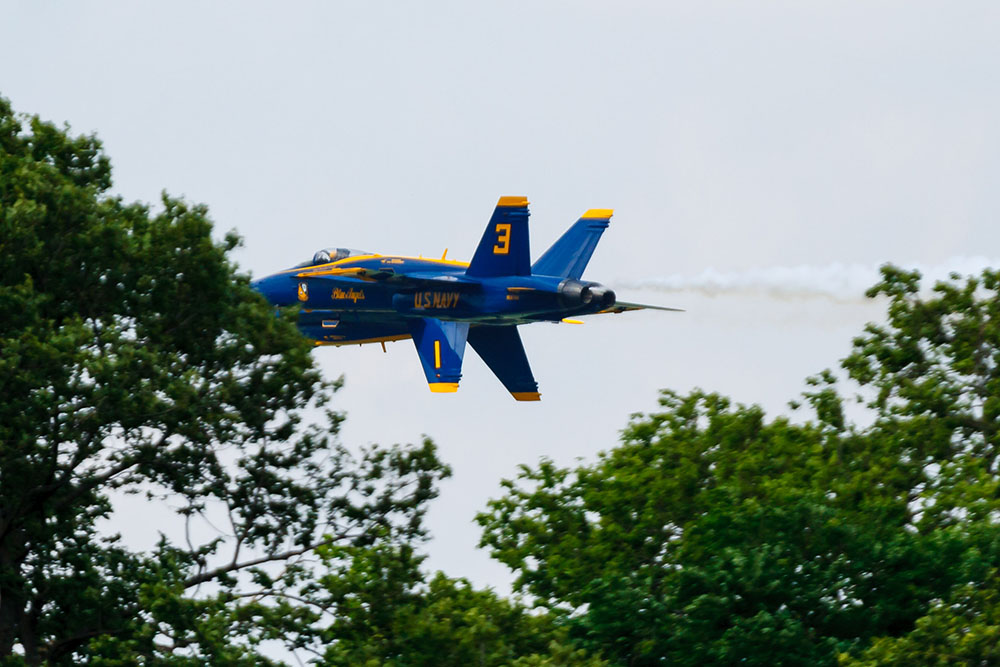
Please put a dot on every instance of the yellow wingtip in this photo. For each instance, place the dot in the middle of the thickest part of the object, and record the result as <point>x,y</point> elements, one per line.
<point>526,395</point>
<point>443,387</point>
<point>569,321</point>
<point>513,201</point>
<point>598,214</point>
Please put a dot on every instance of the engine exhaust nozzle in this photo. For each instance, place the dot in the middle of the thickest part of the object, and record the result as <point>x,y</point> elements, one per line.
<point>576,294</point>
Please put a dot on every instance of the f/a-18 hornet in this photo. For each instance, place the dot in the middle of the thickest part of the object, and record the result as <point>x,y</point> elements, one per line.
<point>349,297</point>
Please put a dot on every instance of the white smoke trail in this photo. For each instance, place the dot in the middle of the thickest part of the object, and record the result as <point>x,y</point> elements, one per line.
<point>845,283</point>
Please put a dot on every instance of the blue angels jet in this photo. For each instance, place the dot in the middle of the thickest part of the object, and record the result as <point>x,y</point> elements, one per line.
<point>349,297</point>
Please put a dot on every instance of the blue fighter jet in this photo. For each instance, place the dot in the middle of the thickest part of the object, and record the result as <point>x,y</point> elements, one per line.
<point>348,297</point>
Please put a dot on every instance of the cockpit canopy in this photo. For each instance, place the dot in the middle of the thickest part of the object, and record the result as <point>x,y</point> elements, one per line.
<point>327,255</point>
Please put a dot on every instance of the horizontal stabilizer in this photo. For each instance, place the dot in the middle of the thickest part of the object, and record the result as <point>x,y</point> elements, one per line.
<point>622,306</point>
<point>500,347</point>
<point>569,256</point>
<point>503,250</point>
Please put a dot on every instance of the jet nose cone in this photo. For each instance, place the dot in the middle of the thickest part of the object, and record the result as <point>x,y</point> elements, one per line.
<point>261,284</point>
<point>278,289</point>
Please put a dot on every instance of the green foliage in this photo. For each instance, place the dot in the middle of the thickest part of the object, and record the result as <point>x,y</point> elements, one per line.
<point>714,536</point>
<point>135,359</point>
<point>706,538</point>
<point>965,630</point>
<point>387,613</point>
<point>934,368</point>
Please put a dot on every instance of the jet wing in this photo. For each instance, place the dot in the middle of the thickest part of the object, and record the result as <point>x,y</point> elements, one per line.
<point>623,306</point>
<point>431,278</point>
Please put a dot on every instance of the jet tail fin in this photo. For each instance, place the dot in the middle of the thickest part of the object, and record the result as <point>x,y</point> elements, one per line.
<point>568,257</point>
<point>503,250</point>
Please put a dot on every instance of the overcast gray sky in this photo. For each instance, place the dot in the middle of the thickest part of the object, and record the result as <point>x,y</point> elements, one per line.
<point>740,137</point>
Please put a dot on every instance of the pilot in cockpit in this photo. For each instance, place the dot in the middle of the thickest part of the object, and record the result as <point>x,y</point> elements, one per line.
<point>327,255</point>
<point>322,257</point>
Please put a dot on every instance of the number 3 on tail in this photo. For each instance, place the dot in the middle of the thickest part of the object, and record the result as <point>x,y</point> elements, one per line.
<point>503,239</point>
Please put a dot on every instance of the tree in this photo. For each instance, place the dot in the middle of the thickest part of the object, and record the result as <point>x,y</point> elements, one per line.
<point>934,368</point>
<point>388,612</point>
<point>964,630</point>
<point>134,358</point>
<point>712,535</point>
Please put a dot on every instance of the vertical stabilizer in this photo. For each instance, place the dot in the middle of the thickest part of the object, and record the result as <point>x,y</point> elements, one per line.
<point>503,250</point>
<point>568,257</point>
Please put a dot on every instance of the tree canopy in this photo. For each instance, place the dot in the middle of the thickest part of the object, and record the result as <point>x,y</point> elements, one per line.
<point>136,359</point>
<point>713,535</point>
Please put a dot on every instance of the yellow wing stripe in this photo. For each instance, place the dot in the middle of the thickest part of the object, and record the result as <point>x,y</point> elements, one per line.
<point>513,201</point>
<point>335,269</point>
<point>598,214</point>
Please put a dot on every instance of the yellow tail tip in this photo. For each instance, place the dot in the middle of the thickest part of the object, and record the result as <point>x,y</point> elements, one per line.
<point>443,387</point>
<point>513,201</point>
<point>599,213</point>
<point>526,395</point>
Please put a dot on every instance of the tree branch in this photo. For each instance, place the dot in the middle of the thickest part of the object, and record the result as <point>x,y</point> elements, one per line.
<point>282,594</point>
<point>208,575</point>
